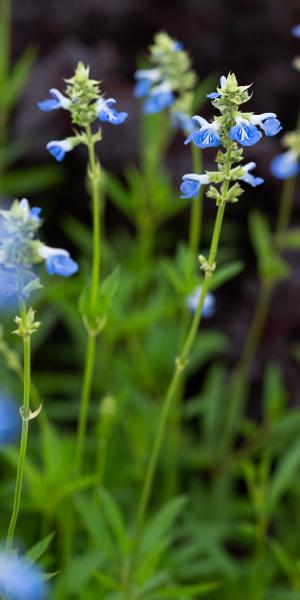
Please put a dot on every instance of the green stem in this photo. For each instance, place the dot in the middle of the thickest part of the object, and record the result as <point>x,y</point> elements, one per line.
<point>196,208</point>
<point>237,385</point>
<point>94,180</point>
<point>23,442</point>
<point>285,209</point>
<point>180,365</point>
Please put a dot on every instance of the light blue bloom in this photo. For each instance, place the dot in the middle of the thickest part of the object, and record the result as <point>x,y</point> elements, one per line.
<point>268,122</point>
<point>58,261</point>
<point>58,100</point>
<point>285,165</point>
<point>58,148</point>
<point>245,133</point>
<point>296,31</point>
<point>178,46</point>
<point>209,302</point>
<point>213,95</point>
<point>191,184</point>
<point>10,422</point>
<point>182,121</point>
<point>161,97</point>
<point>107,114</point>
<point>145,79</point>
<point>248,177</point>
<point>20,579</point>
<point>206,135</point>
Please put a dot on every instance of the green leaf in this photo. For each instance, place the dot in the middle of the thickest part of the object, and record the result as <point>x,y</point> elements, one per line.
<point>271,265</point>
<point>17,79</point>
<point>274,393</point>
<point>114,518</point>
<point>160,525</point>
<point>285,474</point>
<point>291,238</point>
<point>40,548</point>
<point>225,273</point>
<point>191,591</point>
<point>29,180</point>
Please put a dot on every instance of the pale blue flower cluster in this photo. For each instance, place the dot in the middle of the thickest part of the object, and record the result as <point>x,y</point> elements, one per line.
<point>104,111</point>
<point>20,579</point>
<point>153,85</point>
<point>192,302</point>
<point>9,420</point>
<point>20,251</point>
<point>285,165</point>
<point>191,182</point>
<point>296,31</point>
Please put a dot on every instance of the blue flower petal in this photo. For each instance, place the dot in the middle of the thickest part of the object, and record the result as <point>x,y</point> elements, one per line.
<point>285,165</point>
<point>61,265</point>
<point>47,105</point>
<point>10,422</point>
<point>20,579</point>
<point>57,151</point>
<point>142,88</point>
<point>157,102</point>
<point>213,95</point>
<point>271,127</point>
<point>296,31</point>
<point>245,134</point>
<point>189,188</point>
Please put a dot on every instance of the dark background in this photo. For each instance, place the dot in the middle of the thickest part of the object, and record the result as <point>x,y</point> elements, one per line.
<point>250,37</point>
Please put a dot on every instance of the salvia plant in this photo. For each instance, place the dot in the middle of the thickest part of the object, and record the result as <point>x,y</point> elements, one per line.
<point>134,314</point>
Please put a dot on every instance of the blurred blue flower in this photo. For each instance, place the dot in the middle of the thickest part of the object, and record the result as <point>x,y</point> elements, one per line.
<point>106,113</point>
<point>214,95</point>
<point>191,184</point>
<point>161,97</point>
<point>58,148</point>
<point>285,165</point>
<point>245,133</point>
<point>182,121</point>
<point>296,31</point>
<point>58,261</point>
<point>192,302</point>
<point>10,422</point>
<point>20,579</point>
<point>145,79</point>
<point>248,177</point>
<point>268,122</point>
<point>206,135</point>
<point>58,100</point>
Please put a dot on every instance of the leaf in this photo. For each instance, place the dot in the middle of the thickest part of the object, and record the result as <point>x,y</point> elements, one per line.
<point>190,591</point>
<point>226,273</point>
<point>29,180</point>
<point>206,346</point>
<point>274,393</point>
<point>285,473</point>
<point>160,525</point>
<point>17,79</point>
<point>271,265</point>
<point>40,548</point>
<point>113,517</point>
<point>291,238</point>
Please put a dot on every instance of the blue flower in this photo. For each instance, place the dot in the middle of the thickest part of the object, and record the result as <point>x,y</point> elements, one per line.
<point>58,100</point>
<point>145,79</point>
<point>178,46</point>
<point>191,184</point>
<point>213,95</point>
<point>248,177</point>
<point>296,31</point>
<point>58,261</point>
<point>285,165</point>
<point>245,133</point>
<point>16,282</point>
<point>106,113</point>
<point>206,135</point>
<point>182,121</point>
<point>267,122</point>
<point>58,148</point>
<point>10,422</point>
<point>161,97</point>
<point>20,579</point>
<point>209,302</point>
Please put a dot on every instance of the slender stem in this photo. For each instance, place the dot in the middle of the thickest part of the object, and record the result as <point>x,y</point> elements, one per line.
<point>23,443</point>
<point>180,365</point>
<point>238,381</point>
<point>196,208</point>
<point>94,180</point>
<point>285,209</point>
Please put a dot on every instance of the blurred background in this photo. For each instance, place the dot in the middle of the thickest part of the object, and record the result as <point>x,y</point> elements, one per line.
<point>250,37</point>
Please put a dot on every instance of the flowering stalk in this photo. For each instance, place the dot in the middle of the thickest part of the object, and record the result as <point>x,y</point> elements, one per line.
<point>196,208</point>
<point>94,180</point>
<point>26,327</point>
<point>86,104</point>
<point>227,100</point>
